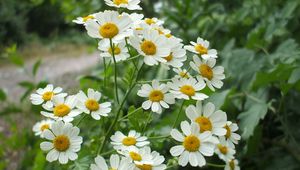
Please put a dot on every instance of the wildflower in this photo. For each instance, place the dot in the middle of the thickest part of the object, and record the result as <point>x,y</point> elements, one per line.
<point>193,145</point>
<point>46,95</point>
<point>231,137</point>
<point>64,142</point>
<point>187,88</point>
<point>64,109</point>
<point>90,104</point>
<point>120,50</point>
<point>152,46</point>
<point>201,47</point>
<point>181,73</point>
<point>41,126</point>
<point>109,25</point>
<point>176,57</point>
<point>212,75</point>
<point>151,21</point>
<point>224,151</point>
<point>83,20</point>
<point>232,165</point>
<point>207,118</point>
<point>115,163</point>
<point>157,96</point>
<point>129,4</point>
<point>134,139</point>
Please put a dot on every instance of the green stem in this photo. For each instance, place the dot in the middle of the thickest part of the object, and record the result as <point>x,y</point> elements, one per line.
<point>108,152</point>
<point>104,65</point>
<point>81,119</point>
<point>147,122</point>
<point>127,45</point>
<point>177,118</point>
<point>129,114</point>
<point>115,66</point>
<point>215,165</point>
<point>158,137</point>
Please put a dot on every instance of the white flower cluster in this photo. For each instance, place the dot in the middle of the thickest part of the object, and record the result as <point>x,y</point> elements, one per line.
<point>208,130</point>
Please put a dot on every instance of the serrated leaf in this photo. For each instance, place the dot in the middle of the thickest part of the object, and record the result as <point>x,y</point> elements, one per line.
<point>295,76</point>
<point>36,66</point>
<point>39,161</point>
<point>218,98</point>
<point>250,118</point>
<point>139,119</point>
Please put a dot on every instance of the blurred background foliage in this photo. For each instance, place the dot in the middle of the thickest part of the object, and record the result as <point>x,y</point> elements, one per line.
<point>258,44</point>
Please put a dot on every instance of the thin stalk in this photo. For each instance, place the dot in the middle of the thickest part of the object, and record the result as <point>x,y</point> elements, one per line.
<point>81,119</point>
<point>104,65</point>
<point>129,114</point>
<point>158,137</point>
<point>215,165</point>
<point>178,114</point>
<point>115,66</point>
<point>127,45</point>
<point>147,122</point>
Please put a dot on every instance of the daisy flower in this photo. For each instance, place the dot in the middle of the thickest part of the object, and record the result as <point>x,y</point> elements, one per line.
<point>151,21</point>
<point>134,139</point>
<point>63,109</point>
<point>181,73</point>
<point>224,151</point>
<point>176,57</point>
<point>201,47</point>
<point>212,75</point>
<point>109,25</point>
<point>232,165</point>
<point>129,4</point>
<point>120,50</point>
<point>90,104</point>
<point>231,137</point>
<point>83,20</point>
<point>207,118</point>
<point>115,163</point>
<point>46,95</point>
<point>41,126</point>
<point>64,142</point>
<point>157,96</point>
<point>193,145</point>
<point>151,45</point>
<point>144,159</point>
<point>187,88</point>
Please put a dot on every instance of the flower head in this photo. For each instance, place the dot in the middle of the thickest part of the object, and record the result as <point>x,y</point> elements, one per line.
<point>64,109</point>
<point>201,47</point>
<point>115,163</point>
<point>207,118</point>
<point>187,88</point>
<point>231,137</point>
<point>133,139</point>
<point>224,151</point>
<point>208,72</point>
<point>119,51</point>
<point>157,95</point>
<point>63,142</point>
<point>109,25</point>
<point>129,4</point>
<point>83,20</point>
<point>193,145</point>
<point>46,95</point>
<point>90,104</point>
<point>176,57</point>
<point>232,165</point>
<point>41,126</point>
<point>181,73</point>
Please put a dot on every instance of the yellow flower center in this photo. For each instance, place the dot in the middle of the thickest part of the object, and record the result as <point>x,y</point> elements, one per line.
<point>61,110</point>
<point>204,123</point>
<point>117,50</point>
<point>128,141</point>
<point>200,49</point>
<point>144,167</point>
<point>191,143</point>
<point>44,127</point>
<point>168,35</point>
<point>61,143</point>
<point>169,57</point>
<point>85,19</point>
<point>223,149</point>
<point>149,21</point>
<point>112,169</point>
<point>159,31</point>
<point>188,90</point>
<point>119,2</point>
<point>232,165</point>
<point>183,74</point>
<point>47,95</point>
<point>206,71</point>
<point>228,131</point>
<point>139,29</point>
<point>135,156</point>
<point>156,96</point>
<point>92,105</point>
<point>108,30</point>
<point>148,47</point>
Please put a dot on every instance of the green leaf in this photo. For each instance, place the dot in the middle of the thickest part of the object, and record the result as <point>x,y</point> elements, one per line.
<point>39,161</point>
<point>36,66</point>
<point>2,95</point>
<point>26,84</point>
<point>139,119</point>
<point>250,118</point>
<point>218,98</point>
<point>295,76</point>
